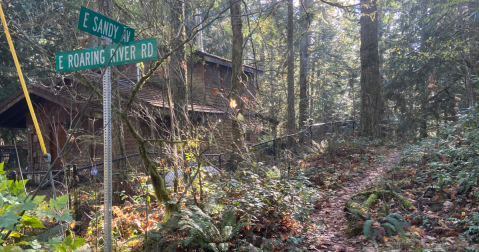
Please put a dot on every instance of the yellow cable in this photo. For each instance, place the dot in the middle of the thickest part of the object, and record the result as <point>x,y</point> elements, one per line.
<point>20,75</point>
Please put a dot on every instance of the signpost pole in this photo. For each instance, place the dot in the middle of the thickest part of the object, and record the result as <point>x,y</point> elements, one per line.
<point>107,159</point>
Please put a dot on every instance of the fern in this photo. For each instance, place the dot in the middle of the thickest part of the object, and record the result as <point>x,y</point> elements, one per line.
<point>397,224</point>
<point>203,231</point>
<point>475,217</point>
<point>390,229</point>
<point>367,228</point>
<point>50,233</point>
<point>229,219</point>
<point>399,217</point>
<point>238,228</point>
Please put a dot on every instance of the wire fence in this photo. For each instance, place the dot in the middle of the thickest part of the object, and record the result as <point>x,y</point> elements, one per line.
<point>267,152</point>
<point>273,150</point>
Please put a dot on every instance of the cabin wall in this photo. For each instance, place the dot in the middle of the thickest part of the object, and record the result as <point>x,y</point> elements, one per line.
<point>198,91</point>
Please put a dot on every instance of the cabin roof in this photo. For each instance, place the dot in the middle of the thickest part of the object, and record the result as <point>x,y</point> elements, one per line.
<point>226,62</point>
<point>14,109</point>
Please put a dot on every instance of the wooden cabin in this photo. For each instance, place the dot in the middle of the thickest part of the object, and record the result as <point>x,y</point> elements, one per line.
<point>57,107</point>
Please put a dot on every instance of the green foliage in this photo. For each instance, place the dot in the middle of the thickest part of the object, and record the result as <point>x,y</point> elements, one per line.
<point>367,228</point>
<point>68,244</point>
<point>393,224</point>
<point>473,226</point>
<point>13,201</point>
<point>204,233</point>
<point>398,222</point>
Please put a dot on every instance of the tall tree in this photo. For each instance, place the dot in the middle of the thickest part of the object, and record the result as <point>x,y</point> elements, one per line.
<point>370,77</point>
<point>177,70</point>
<point>290,125</point>
<point>177,66</point>
<point>237,75</point>
<point>303,65</point>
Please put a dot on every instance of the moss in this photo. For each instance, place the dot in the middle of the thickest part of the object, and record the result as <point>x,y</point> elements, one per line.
<point>381,193</point>
<point>370,201</point>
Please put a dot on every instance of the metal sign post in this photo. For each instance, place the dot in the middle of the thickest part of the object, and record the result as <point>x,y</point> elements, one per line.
<point>107,159</point>
<point>127,52</point>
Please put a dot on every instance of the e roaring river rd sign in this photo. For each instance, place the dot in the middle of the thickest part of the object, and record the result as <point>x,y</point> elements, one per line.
<point>101,26</point>
<point>96,57</point>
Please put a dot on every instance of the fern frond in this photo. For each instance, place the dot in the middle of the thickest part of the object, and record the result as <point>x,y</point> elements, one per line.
<point>399,217</point>
<point>396,224</point>
<point>229,219</point>
<point>475,217</point>
<point>226,232</point>
<point>188,241</point>
<point>390,229</point>
<point>213,247</point>
<point>367,228</point>
<point>238,228</point>
<point>50,233</point>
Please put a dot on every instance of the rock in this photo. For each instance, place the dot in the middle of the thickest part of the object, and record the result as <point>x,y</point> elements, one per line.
<point>447,206</point>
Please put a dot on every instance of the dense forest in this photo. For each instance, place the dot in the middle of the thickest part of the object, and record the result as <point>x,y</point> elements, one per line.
<point>343,126</point>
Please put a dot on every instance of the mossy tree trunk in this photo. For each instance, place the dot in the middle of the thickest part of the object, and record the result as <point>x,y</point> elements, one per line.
<point>237,76</point>
<point>177,69</point>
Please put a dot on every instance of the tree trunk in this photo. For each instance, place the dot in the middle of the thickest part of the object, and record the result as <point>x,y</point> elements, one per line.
<point>290,125</point>
<point>237,75</point>
<point>370,82</point>
<point>177,66</point>
<point>177,70</point>
<point>303,66</point>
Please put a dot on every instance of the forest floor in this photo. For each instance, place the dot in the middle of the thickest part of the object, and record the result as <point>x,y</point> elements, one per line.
<point>333,215</point>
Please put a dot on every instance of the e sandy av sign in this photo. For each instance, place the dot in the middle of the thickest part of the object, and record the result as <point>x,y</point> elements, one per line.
<point>96,57</point>
<point>101,26</point>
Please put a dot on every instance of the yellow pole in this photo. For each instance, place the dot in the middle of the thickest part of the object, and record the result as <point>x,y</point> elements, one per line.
<point>24,87</point>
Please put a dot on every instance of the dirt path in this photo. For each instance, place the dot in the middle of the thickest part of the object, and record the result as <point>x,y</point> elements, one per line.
<point>333,238</point>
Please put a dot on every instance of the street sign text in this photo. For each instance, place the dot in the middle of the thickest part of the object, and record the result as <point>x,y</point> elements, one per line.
<point>101,26</point>
<point>96,57</point>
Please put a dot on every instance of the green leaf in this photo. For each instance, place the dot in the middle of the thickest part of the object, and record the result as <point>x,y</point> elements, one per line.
<point>39,199</point>
<point>11,248</point>
<point>223,246</point>
<point>1,169</point>
<point>188,241</point>
<point>27,206</point>
<point>67,242</point>
<point>66,216</point>
<point>59,247</point>
<point>391,230</point>
<point>8,220</point>
<point>226,232</point>
<point>367,228</point>
<point>59,203</point>
<point>31,221</point>
<point>374,243</point>
<point>77,242</point>
<point>213,247</point>
<point>397,225</point>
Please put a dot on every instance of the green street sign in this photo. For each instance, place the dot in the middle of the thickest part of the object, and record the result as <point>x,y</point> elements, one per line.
<point>96,57</point>
<point>101,26</point>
